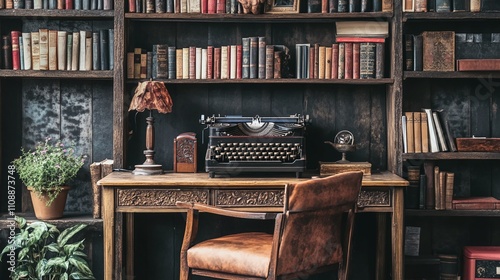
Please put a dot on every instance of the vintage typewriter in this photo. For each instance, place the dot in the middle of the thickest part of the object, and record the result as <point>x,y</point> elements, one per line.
<point>255,144</point>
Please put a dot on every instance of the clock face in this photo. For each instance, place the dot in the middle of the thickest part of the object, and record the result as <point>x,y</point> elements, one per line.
<point>344,137</point>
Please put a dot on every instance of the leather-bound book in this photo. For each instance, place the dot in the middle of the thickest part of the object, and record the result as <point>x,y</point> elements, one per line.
<point>15,50</point>
<point>367,58</point>
<point>160,6</point>
<point>348,61</point>
<point>239,61</point>
<point>198,63</point>
<point>324,6</point>
<point>332,6</point>
<point>186,65</point>
<point>81,63</point>
<point>335,61</point>
<point>341,61</point>
<point>354,6</point>
<point>52,50</point>
<point>313,62</point>
<point>343,6</point>
<point>377,6</point>
<point>210,62</point>
<point>108,5</point>
<point>223,63</point>
<point>78,4</point>
<point>169,6</point>
<point>88,51</point>
<point>62,37</point>
<point>379,60</point>
<point>245,65</point>
<point>417,53</point>
<point>144,65</point>
<point>18,4</point>
<point>443,6</point>
<point>203,64</point>
<point>61,4</point>
<point>28,4</point>
<point>261,62</point>
<point>96,51</point>
<point>314,6</point>
<point>75,53</point>
<point>408,53</point>
<point>417,132</point>
<point>131,6</point>
<point>254,57</point>
<point>429,189</point>
<point>68,5</point>
<point>269,61</point>
<point>44,49</point>
<point>387,5</point>
<point>85,4</point>
<point>52,4</point>
<point>221,6</point>
<point>150,6</point>
<point>328,62</point>
<point>178,64</point>
<point>408,6</point>
<point>217,62</point>
<point>6,52</point>
<point>211,6</point>
<point>27,50</point>
<point>420,5</point>
<point>104,49</point>
<point>171,62</point>
<point>486,64</point>
<point>35,50</point>
<point>365,6</point>
<point>438,50</point>
<point>160,61</point>
<point>355,60</point>
<point>424,131</point>
<point>410,130</point>
<point>277,64</point>
<point>93,4</point>
<point>111,48</point>
<point>204,6</point>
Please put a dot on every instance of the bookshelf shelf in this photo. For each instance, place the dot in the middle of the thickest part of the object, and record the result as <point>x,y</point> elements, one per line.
<point>59,74</point>
<point>450,75</point>
<point>455,213</point>
<point>451,16</point>
<point>300,17</point>
<point>452,156</point>
<point>70,14</point>
<point>278,81</point>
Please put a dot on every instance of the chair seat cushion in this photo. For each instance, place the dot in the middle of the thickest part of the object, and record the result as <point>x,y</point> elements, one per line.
<point>246,253</point>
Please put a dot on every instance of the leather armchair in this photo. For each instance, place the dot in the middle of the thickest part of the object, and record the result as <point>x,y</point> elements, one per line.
<point>310,235</point>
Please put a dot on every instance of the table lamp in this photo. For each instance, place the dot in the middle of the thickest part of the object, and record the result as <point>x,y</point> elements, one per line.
<point>151,95</point>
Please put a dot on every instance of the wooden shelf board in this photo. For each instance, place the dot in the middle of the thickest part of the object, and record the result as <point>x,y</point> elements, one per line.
<point>451,75</point>
<point>451,16</point>
<point>306,17</point>
<point>452,155</point>
<point>456,213</point>
<point>32,13</point>
<point>60,74</point>
<point>69,219</point>
<point>276,81</point>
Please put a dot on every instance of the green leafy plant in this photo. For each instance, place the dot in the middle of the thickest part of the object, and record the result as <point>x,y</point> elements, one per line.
<point>48,167</point>
<point>43,253</point>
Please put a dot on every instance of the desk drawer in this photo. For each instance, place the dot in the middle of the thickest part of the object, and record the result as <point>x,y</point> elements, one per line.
<point>159,197</point>
<point>249,198</point>
<point>374,197</point>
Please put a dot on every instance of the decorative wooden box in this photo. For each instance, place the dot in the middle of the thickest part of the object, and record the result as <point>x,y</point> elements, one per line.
<point>478,144</point>
<point>185,152</point>
<point>481,263</point>
<point>330,168</point>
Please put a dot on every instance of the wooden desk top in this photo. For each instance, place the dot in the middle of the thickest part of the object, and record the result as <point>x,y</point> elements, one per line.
<point>127,179</point>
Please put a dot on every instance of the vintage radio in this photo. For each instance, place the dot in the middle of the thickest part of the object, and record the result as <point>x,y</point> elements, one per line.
<point>255,144</point>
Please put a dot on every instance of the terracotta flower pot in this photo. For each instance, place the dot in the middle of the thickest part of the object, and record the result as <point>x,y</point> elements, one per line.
<point>55,210</point>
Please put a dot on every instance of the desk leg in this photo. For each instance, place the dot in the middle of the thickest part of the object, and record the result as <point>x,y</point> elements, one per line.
<point>381,238</point>
<point>108,216</point>
<point>397,235</point>
<point>118,264</point>
<point>129,254</point>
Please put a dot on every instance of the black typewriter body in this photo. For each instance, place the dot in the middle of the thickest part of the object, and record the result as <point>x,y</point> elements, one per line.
<point>239,145</point>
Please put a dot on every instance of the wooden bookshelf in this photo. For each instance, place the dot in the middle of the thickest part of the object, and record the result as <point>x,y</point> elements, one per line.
<point>452,156</point>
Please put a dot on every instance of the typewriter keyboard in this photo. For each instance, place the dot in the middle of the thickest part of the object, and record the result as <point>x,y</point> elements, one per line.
<point>251,151</point>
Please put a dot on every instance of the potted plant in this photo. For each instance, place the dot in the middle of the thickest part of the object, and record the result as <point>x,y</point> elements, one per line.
<point>46,171</point>
<point>43,253</point>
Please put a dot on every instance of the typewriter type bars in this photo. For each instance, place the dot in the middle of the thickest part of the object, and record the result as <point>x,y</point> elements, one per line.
<point>255,144</point>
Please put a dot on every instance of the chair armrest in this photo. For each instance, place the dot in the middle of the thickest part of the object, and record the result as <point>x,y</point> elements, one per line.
<point>225,212</point>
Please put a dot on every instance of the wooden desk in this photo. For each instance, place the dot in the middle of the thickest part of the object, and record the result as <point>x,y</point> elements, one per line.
<point>123,192</point>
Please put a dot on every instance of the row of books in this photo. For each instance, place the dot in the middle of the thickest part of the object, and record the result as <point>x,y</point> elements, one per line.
<point>433,190</point>
<point>58,50</point>
<point>57,4</point>
<point>427,131</point>
<point>451,5</point>
<point>233,7</point>
<point>450,51</point>
<point>344,60</point>
<point>225,62</point>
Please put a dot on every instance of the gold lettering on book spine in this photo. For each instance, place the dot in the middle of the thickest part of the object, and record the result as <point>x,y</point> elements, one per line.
<point>160,197</point>
<point>249,197</point>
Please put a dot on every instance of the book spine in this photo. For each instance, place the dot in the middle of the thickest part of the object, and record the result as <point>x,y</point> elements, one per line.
<point>154,62</point>
<point>35,50</point>
<point>171,62</point>
<point>342,6</point>
<point>423,194</point>
<point>75,53</point>
<point>203,64</point>
<point>204,6</point>
<point>314,6</point>
<point>62,37</point>
<point>137,63</point>
<point>16,57</point>
<point>223,62</point>
<point>221,6</point>
<point>104,49</point>
<point>408,38</point>
<point>354,6</point>
<point>443,6</point>
<point>93,4</point>
<point>149,65</point>
<point>261,61</point>
<point>45,4</point>
<point>417,53</point>
<point>355,60</point>
<point>269,62</point>
<point>420,5</point>
<point>232,61</point>
<point>28,4</point>
<point>160,6</point>
<point>475,6</point>
<point>21,53</point>
<point>332,6</point>
<point>111,48</point>
<point>210,62</point>
<point>245,65</point>
<point>44,49</point>
<point>27,50</point>
<point>163,62</point>
<point>324,6</point>
<point>377,5</point>
<point>239,61</point>
<point>96,51</point>
<point>178,63</point>
<point>450,178</point>
<point>408,6</point>
<point>387,5</point>
<point>108,5</point>
<point>417,132</point>
<point>321,60</point>
<point>328,62</point>
<point>18,4</point>
<point>335,61</point>
<point>341,68</point>
<point>367,60</point>
<point>88,51</point>
<point>78,4</point>
<point>169,6</point>
<point>198,63</point>
<point>150,6</point>
<point>61,4</point>
<point>144,65</point>
<point>433,140</point>
<point>440,133</point>
<point>364,6</point>
<point>254,57</point>
<point>379,60</point>
<point>447,130</point>
<point>186,63</point>
<point>81,64</point>
<point>131,6</point>
<point>277,65</point>
<point>424,131</point>
<point>130,65</point>
<point>459,5</point>
<point>348,61</point>
<point>212,6</point>
<point>217,62</point>
<point>313,70</point>
<point>85,4</point>
<point>410,130</point>
<point>429,178</point>
<point>37,4</point>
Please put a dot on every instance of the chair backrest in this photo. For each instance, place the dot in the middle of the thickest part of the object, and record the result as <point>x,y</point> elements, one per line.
<point>312,230</point>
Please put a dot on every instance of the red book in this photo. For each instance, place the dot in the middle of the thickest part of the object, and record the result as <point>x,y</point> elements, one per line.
<point>221,6</point>
<point>16,58</point>
<point>211,6</point>
<point>192,62</point>
<point>210,62</point>
<point>131,6</point>
<point>217,59</point>
<point>348,60</point>
<point>204,6</point>
<point>239,60</point>
<point>335,61</point>
<point>485,64</point>
<point>69,5</point>
<point>355,60</point>
<point>360,39</point>
<point>476,203</point>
